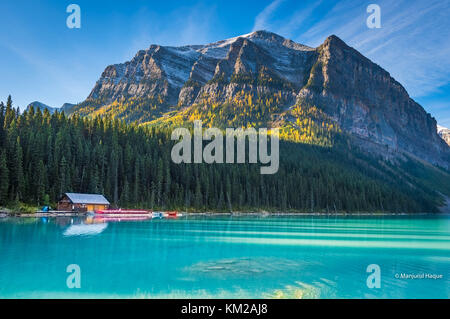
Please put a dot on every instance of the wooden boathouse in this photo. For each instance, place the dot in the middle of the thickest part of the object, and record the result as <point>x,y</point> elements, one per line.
<point>75,202</point>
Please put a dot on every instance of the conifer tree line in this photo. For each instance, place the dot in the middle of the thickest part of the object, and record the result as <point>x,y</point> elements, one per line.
<point>44,155</point>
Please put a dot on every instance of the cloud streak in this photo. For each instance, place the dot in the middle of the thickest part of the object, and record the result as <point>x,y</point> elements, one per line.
<point>188,26</point>
<point>262,19</point>
<point>412,43</point>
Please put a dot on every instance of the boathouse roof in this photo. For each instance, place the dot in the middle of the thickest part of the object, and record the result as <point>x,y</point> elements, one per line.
<point>77,198</point>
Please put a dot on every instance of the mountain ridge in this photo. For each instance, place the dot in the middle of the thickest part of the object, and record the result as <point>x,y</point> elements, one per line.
<point>66,107</point>
<point>340,83</point>
<point>41,106</point>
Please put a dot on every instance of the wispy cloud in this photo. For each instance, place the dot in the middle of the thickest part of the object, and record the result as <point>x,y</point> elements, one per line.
<point>445,122</point>
<point>67,81</point>
<point>262,19</point>
<point>188,25</point>
<point>299,17</point>
<point>412,43</point>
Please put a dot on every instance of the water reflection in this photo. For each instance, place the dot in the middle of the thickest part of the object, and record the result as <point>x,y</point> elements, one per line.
<point>227,257</point>
<point>94,225</point>
<point>85,229</point>
<point>110,219</point>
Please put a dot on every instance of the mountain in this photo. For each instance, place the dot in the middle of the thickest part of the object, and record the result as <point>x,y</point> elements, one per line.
<point>165,71</point>
<point>263,79</point>
<point>66,107</point>
<point>41,106</point>
<point>444,133</point>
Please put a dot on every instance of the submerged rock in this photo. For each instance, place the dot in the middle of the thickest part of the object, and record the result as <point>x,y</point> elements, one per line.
<point>245,266</point>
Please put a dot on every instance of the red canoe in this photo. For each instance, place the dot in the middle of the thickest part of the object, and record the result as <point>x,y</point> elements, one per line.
<point>171,214</point>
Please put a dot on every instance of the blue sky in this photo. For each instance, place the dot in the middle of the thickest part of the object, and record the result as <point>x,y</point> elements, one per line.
<point>41,59</point>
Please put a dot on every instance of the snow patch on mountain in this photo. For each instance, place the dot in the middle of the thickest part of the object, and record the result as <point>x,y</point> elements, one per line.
<point>177,65</point>
<point>163,70</point>
<point>444,133</point>
<point>441,128</point>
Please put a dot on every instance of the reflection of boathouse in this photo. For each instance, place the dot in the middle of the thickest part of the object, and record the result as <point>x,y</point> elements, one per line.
<point>82,202</point>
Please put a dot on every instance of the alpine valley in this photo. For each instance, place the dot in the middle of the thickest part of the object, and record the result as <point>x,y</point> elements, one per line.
<point>352,140</point>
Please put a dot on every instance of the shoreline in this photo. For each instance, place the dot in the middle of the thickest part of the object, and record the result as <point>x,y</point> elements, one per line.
<point>233,214</point>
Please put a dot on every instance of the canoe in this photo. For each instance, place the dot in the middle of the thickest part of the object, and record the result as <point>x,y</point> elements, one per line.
<point>172,214</point>
<point>122,212</point>
<point>157,214</point>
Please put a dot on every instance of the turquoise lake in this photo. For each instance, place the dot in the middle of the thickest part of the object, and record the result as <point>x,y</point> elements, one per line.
<point>225,257</point>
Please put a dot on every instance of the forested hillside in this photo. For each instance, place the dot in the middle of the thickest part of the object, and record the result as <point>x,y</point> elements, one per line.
<point>44,155</point>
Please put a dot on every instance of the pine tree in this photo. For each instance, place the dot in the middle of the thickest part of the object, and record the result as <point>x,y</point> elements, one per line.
<point>114,175</point>
<point>45,155</point>
<point>63,172</point>
<point>136,184</point>
<point>167,183</point>
<point>41,183</point>
<point>4,179</point>
<point>17,172</point>
<point>198,196</point>
<point>2,123</point>
<point>125,196</point>
<point>10,113</point>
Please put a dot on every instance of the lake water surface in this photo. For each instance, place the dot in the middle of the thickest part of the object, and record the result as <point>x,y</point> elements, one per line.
<point>225,257</point>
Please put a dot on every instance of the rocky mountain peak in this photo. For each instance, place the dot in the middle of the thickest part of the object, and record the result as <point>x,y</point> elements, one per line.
<point>444,133</point>
<point>41,106</point>
<point>334,40</point>
<point>357,94</point>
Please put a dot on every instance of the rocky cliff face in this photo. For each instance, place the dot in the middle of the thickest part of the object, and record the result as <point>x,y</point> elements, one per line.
<point>182,75</point>
<point>360,96</point>
<point>367,102</point>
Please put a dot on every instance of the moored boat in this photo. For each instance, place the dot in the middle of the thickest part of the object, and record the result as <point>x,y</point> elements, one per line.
<point>122,212</point>
<point>157,214</point>
<point>172,214</point>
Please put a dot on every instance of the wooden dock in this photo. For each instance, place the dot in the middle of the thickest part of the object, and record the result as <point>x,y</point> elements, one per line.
<point>52,213</point>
